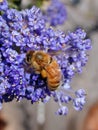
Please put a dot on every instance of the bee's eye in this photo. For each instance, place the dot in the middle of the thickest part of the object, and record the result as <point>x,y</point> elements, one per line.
<point>28,58</point>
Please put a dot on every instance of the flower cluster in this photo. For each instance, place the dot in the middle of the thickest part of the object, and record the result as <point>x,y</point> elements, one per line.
<point>3,5</point>
<point>56,13</point>
<point>21,31</point>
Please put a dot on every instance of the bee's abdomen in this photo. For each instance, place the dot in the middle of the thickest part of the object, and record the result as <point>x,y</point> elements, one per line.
<point>53,83</point>
<point>53,76</point>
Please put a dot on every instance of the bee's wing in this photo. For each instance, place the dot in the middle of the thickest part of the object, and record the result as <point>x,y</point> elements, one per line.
<point>55,53</point>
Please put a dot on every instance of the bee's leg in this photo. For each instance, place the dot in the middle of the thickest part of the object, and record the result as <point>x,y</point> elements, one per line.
<point>44,73</point>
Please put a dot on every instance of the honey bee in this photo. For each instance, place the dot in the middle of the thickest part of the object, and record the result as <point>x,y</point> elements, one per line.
<point>43,63</point>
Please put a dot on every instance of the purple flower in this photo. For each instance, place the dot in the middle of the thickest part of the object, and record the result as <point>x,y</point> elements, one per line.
<point>79,103</point>
<point>26,30</point>
<point>56,13</point>
<point>62,111</point>
<point>3,5</point>
<point>80,93</point>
